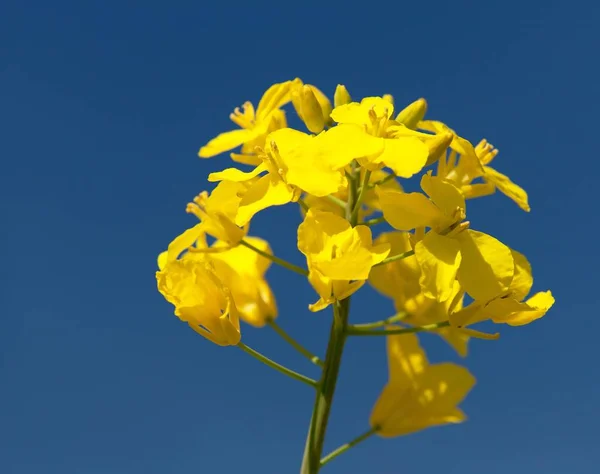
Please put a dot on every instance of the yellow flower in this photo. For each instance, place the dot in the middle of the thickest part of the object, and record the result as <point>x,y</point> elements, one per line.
<point>399,280</point>
<point>462,169</point>
<point>199,296</point>
<point>483,265</point>
<point>418,395</point>
<point>509,307</point>
<point>243,270</point>
<point>217,212</point>
<point>404,155</point>
<point>255,126</point>
<point>296,162</point>
<point>339,256</point>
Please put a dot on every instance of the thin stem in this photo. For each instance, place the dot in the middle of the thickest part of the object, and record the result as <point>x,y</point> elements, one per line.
<point>394,258</point>
<point>389,177</point>
<point>384,322</point>
<point>277,260</point>
<point>295,344</point>
<point>274,365</point>
<point>358,331</point>
<point>325,390</point>
<point>345,447</point>
<point>303,204</point>
<point>336,201</point>
<point>361,196</point>
<point>374,221</point>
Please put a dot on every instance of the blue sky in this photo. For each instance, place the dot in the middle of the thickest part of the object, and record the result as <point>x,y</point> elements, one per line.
<point>103,106</point>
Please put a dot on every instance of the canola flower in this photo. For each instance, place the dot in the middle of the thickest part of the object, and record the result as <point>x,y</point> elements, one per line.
<point>343,170</point>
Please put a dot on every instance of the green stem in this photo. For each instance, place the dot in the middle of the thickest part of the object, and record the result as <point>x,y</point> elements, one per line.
<point>389,177</point>
<point>336,201</point>
<point>303,204</point>
<point>394,258</point>
<point>384,322</point>
<point>361,196</point>
<point>274,365</point>
<point>295,344</point>
<point>325,390</point>
<point>358,331</point>
<point>277,260</point>
<point>311,462</point>
<point>374,221</point>
<point>345,447</point>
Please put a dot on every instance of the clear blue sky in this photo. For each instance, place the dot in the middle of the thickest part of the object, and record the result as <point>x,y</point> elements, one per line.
<point>103,106</point>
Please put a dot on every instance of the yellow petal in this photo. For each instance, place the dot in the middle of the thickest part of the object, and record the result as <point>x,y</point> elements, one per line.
<point>487,266</point>
<point>225,142</point>
<point>408,211</point>
<point>523,279</point>
<point>182,242</point>
<point>233,174</point>
<point>444,194</point>
<point>399,279</point>
<point>274,97</point>
<point>439,258</point>
<point>266,192</point>
<point>437,146</point>
<point>341,144</point>
<point>406,359</point>
<point>507,187</point>
<point>162,260</point>
<point>404,156</point>
<point>513,313</point>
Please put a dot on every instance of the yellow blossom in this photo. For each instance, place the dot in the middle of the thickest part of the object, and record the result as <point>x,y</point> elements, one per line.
<point>404,155</point>
<point>199,296</point>
<point>463,170</point>
<point>339,256</point>
<point>418,395</point>
<point>399,280</point>
<point>295,162</point>
<point>239,269</point>
<point>218,210</point>
<point>483,265</point>
<point>509,307</point>
<point>255,126</point>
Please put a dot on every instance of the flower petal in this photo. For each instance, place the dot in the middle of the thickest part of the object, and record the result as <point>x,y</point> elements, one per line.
<point>404,156</point>
<point>408,211</point>
<point>522,281</point>
<point>444,194</point>
<point>233,174</point>
<point>507,187</point>
<point>487,266</point>
<point>226,141</point>
<point>266,192</point>
<point>439,258</point>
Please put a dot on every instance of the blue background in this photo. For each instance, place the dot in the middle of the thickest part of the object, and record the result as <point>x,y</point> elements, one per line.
<point>103,107</point>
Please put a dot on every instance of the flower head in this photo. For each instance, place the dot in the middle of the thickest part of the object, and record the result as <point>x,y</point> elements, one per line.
<point>339,256</point>
<point>199,296</point>
<point>418,395</point>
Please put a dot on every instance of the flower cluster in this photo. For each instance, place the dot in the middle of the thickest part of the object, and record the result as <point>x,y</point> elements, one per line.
<point>344,172</point>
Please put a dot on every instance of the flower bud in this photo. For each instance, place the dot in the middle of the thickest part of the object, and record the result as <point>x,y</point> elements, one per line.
<point>413,113</point>
<point>341,96</point>
<point>308,108</point>
<point>437,146</point>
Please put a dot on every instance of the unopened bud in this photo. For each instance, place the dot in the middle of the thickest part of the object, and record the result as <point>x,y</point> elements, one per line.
<point>413,113</point>
<point>341,96</point>
<point>438,145</point>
